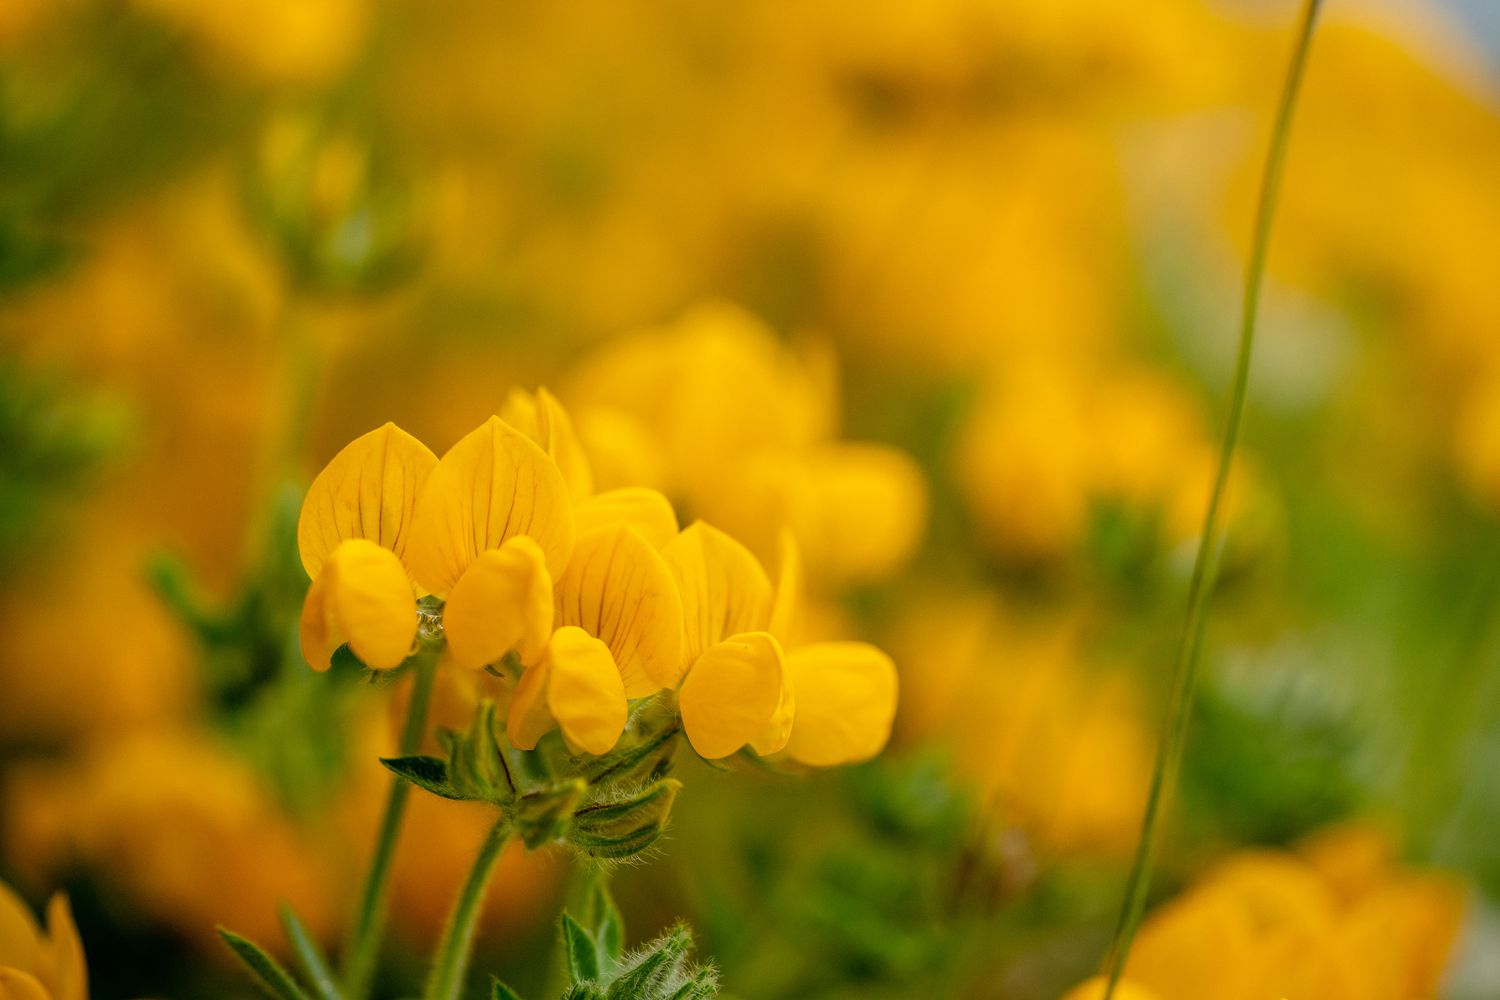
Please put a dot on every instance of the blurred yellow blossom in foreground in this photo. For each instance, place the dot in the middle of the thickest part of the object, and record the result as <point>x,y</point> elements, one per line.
<point>37,964</point>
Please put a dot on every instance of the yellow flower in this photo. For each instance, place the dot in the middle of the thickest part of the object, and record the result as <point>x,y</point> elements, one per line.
<point>828,703</point>
<point>619,637</point>
<point>271,40</point>
<point>542,418</point>
<point>1124,990</point>
<point>356,524</point>
<point>37,964</point>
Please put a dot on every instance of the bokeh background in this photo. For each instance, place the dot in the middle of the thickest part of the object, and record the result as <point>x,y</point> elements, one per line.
<point>949,286</point>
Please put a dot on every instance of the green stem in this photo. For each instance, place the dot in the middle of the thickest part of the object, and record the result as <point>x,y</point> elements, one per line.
<point>364,948</point>
<point>1205,566</point>
<point>452,960</point>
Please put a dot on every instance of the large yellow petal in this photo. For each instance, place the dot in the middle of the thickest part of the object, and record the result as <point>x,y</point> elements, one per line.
<point>846,700</point>
<point>732,693</point>
<point>503,602</point>
<point>18,985</point>
<point>368,491</point>
<point>542,418</point>
<point>1094,989</point>
<point>71,978</point>
<point>724,589</point>
<point>491,486</point>
<point>619,589</point>
<point>20,936</point>
<point>529,718</point>
<point>361,597</point>
<point>644,509</point>
<point>584,691</point>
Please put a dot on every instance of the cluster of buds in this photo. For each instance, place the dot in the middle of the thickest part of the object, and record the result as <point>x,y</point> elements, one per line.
<point>620,630</point>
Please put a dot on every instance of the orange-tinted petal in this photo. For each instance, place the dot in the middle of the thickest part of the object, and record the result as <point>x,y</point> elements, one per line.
<point>846,700</point>
<point>368,491</point>
<point>361,597</point>
<point>503,602</point>
<point>491,486</point>
<point>618,588</point>
<point>732,693</point>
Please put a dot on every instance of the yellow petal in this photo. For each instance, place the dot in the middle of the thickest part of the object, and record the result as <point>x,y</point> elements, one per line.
<point>786,608</point>
<point>491,486</point>
<point>644,509</point>
<point>1094,989</point>
<point>777,732</point>
<point>584,691</point>
<point>846,699</point>
<point>503,602</point>
<point>368,491</point>
<point>732,693</point>
<point>724,589</point>
<point>542,418</point>
<point>20,937</point>
<point>71,980</point>
<point>362,597</point>
<point>618,589</point>
<point>530,719</point>
<point>18,985</point>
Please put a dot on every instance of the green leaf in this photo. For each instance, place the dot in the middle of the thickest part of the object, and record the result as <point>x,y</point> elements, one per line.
<point>604,916</point>
<point>314,964</point>
<point>268,972</point>
<point>583,954</point>
<point>427,773</point>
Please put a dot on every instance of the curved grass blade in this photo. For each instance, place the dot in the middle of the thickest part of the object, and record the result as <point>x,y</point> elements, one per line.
<point>1205,565</point>
<point>269,973</point>
<point>310,956</point>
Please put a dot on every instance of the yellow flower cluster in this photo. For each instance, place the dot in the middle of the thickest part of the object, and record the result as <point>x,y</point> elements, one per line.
<point>1336,921</point>
<point>599,596</point>
<point>37,964</point>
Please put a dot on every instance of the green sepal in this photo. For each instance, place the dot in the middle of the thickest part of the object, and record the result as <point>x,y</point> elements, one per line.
<point>601,913</point>
<point>427,773</point>
<point>476,764</point>
<point>313,963</point>
<point>499,991</point>
<point>582,952</point>
<point>625,827</point>
<point>542,816</point>
<point>644,762</point>
<point>656,969</point>
<point>269,973</point>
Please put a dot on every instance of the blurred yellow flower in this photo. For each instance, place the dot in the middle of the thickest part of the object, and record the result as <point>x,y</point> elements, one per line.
<point>1339,921</point>
<point>741,430</point>
<point>272,41</point>
<point>37,964</point>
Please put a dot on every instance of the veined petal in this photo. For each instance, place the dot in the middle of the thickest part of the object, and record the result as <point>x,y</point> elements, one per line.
<point>732,693</point>
<point>491,486</point>
<point>503,602</point>
<point>368,491</point>
<point>846,700</point>
<point>542,418</point>
<point>618,589</point>
<point>724,589</point>
<point>644,509</point>
<point>584,691</point>
<point>362,597</point>
<point>529,718</point>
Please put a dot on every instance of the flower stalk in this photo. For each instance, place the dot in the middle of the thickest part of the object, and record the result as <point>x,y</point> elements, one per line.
<point>1206,562</point>
<point>369,925</point>
<point>452,962</point>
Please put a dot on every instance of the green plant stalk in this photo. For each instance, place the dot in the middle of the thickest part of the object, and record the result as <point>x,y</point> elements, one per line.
<point>1206,564</point>
<point>452,962</point>
<point>364,946</point>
